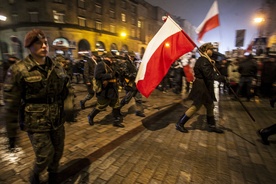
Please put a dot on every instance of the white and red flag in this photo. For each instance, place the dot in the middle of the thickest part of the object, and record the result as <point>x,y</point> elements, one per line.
<point>169,43</point>
<point>211,21</point>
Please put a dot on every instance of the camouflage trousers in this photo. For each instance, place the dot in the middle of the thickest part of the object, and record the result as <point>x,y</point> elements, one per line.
<point>48,148</point>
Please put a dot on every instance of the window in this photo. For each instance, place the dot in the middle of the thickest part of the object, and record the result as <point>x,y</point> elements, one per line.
<point>98,25</point>
<point>123,17</point>
<point>132,33</point>
<point>133,20</point>
<point>82,21</point>
<point>112,29</point>
<point>98,9</point>
<point>81,3</point>
<point>58,17</point>
<point>133,9</point>
<point>33,16</point>
<point>139,23</point>
<point>123,4</point>
<point>112,14</point>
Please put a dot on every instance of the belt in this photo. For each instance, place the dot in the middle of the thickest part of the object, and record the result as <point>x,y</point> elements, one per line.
<point>48,100</point>
<point>112,80</point>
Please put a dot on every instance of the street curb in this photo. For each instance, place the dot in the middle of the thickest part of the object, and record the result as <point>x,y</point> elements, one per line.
<point>74,166</point>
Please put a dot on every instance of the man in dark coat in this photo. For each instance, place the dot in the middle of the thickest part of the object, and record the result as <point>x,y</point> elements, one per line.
<point>202,92</point>
<point>130,86</point>
<point>109,95</point>
<point>248,70</point>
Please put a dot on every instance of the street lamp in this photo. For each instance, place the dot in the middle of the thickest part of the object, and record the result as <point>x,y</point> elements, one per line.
<point>3,18</point>
<point>259,21</point>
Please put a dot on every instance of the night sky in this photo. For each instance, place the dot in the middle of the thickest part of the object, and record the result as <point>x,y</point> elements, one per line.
<point>233,15</point>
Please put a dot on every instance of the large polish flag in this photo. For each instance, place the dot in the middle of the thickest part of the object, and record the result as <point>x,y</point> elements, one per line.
<point>210,22</point>
<point>169,43</point>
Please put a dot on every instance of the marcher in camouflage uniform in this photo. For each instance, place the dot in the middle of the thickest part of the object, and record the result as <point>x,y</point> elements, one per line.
<point>36,88</point>
<point>109,96</point>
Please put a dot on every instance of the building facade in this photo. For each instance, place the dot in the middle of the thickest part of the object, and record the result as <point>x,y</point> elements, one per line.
<point>77,26</point>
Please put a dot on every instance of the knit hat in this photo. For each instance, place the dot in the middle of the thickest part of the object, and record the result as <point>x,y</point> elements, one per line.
<point>33,36</point>
<point>206,46</point>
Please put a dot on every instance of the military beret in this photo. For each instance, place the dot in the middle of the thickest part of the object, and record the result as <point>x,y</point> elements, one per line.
<point>33,36</point>
<point>206,46</point>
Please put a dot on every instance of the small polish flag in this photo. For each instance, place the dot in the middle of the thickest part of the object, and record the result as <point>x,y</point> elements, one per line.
<point>211,21</point>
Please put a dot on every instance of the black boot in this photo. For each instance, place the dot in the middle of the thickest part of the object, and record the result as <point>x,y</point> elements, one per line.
<point>34,178</point>
<point>181,122</point>
<point>212,125</point>
<point>117,119</point>
<point>11,142</point>
<point>53,178</point>
<point>82,104</point>
<point>266,132</point>
<point>92,115</point>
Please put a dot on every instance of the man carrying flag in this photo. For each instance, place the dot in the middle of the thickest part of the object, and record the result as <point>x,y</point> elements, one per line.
<point>202,92</point>
<point>169,43</point>
<point>211,21</point>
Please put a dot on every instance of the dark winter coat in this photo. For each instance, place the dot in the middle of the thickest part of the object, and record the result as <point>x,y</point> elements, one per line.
<point>105,72</point>
<point>203,87</point>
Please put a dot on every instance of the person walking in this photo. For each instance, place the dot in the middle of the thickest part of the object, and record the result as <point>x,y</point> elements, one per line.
<point>248,75</point>
<point>202,92</point>
<point>130,72</point>
<point>109,96</point>
<point>88,73</point>
<point>11,125</point>
<point>36,89</point>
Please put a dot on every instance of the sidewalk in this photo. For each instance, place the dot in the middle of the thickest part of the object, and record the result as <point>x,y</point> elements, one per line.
<point>84,143</point>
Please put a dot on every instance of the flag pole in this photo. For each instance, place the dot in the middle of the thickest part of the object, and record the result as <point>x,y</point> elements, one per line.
<point>236,96</point>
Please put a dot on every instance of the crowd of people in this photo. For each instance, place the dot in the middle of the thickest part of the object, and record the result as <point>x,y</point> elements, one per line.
<point>38,91</point>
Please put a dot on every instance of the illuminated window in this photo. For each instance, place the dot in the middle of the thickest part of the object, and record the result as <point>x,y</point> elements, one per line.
<point>81,3</point>
<point>33,16</point>
<point>112,14</point>
<point>98,9</point>
<point>82,21</point>
<point>139,24</point>
<point>58,17</point>
<point>112,29</point>
<point>98,25</point>
<point>123,17</point>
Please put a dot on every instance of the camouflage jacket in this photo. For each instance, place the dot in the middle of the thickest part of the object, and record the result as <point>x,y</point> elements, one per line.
<point>35,94</point>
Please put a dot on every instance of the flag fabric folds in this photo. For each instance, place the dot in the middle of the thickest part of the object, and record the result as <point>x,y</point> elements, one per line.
<point>211,21</point>
<point>169,43</point>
